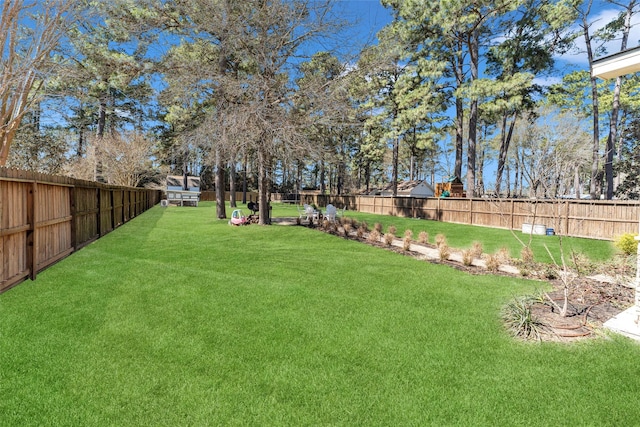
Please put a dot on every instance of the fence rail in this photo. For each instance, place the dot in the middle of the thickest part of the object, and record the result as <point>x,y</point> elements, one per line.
<point>598,219</point>
<point>44,218</point>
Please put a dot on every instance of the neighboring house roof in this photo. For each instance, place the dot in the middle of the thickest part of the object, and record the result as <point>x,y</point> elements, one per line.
<point>407,188</point>
<point>193,182</point>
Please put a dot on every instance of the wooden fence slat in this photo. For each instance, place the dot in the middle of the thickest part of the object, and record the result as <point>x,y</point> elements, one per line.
<point>45,218</point>
<point>596,219</point>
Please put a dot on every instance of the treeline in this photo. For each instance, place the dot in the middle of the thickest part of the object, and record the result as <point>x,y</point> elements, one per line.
<point>266,95</point>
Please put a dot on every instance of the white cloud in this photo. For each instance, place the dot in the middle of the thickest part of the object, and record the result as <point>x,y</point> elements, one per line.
<point>547,81</point>
<point>578,56</point>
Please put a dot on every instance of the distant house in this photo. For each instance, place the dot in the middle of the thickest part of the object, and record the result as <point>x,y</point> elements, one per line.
<point>406,189</point>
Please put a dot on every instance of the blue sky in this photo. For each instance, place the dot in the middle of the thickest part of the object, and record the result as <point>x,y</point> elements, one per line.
<point>371,16</point>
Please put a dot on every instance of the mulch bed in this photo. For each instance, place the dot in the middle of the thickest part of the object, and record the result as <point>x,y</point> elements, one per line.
<point>591,302</point>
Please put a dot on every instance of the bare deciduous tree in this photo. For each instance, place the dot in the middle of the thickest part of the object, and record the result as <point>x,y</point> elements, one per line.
<point>552,145</point>
<point>124,159</point>
<point>29,32</point>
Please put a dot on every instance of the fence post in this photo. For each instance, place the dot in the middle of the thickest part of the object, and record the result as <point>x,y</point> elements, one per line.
<point>568,208</point>
<point>511,219</point>
<point>31,243</point>
<point>99,214</point>
<point>114,222</point>
<point>74,217</point>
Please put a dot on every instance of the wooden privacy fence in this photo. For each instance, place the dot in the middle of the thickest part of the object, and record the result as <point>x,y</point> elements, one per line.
<point>45,218</point>
<point>210,196</point>
<point>601,219</point>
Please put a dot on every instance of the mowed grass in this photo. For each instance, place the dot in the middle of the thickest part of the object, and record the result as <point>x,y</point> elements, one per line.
<point>461,236</point>
<point>177,318</point>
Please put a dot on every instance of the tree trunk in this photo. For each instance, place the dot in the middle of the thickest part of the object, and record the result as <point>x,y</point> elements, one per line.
<point>613,122</point>
<point>244,181</point>
<point>232,184</point>
<point>394,178</point>
<point>459,72</point>
<point>220,205</point>
<point>263,187</point>
<point>505,141</point>
<point>473,118</point>
<point>594,101</point>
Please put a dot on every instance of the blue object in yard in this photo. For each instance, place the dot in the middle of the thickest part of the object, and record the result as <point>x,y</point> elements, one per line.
<point>550,232</point>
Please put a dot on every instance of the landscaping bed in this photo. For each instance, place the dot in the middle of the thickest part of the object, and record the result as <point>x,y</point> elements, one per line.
<point>591,299</point>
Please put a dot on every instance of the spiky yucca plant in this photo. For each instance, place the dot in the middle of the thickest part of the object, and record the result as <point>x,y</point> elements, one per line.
<point>423,237</point>
<point>520,320</point>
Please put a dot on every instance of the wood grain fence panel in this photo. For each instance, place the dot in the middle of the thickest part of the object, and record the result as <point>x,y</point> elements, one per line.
<point>106,213</point>
<point>86,220</point>
<point>126,205</point>
<point>490,213</point>
<point>14,228</point>
<point>403,206</point>
<point>455,210</point>
<point>44,218</point>
<point>53,224</point>
<point>118,207</point>
<point>135,206</point>
<point>578,218</point>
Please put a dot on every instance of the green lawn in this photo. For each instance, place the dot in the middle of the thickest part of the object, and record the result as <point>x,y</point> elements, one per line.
<point>462,236</point>
<point>179,319</point>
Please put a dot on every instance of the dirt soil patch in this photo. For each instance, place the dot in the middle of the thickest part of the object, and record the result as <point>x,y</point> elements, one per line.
<point>591,303</point>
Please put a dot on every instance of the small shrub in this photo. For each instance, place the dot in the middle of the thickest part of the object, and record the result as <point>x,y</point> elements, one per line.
<point>440,240</point>
<point>374,236</point>
<point>388,239</point>
<point>492,261</point>
<point>526,254</point>
<point>444,251</point>
<point>423,237</point>
<point>365,226</point>
<point>392,230</point>
<point>477,249</point>
<point>408,234</point>
<point>504,257</point>
<point>406,244</point>
<point>346,227</point>
<point>519,318</point>
<point>627,243</point>
<point>378,227</point>
<point>582,264</point>
<point>467,257</point>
